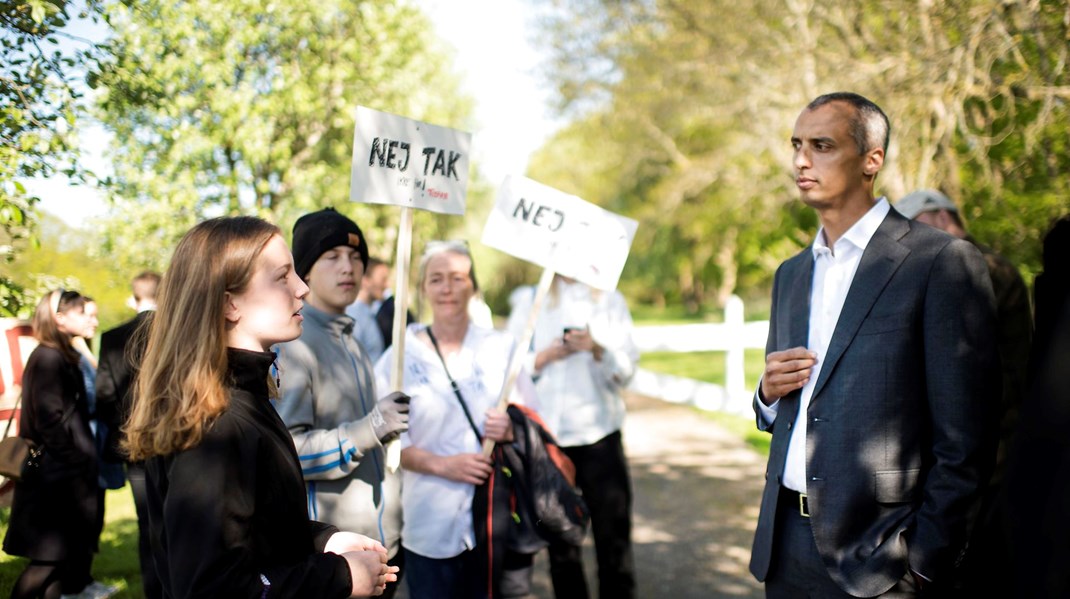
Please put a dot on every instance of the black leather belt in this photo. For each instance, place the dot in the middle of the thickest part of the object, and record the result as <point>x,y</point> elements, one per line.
<point>798,501</point>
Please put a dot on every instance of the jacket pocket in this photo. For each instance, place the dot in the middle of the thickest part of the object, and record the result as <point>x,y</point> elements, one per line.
<point>895,486</point>
<point>874,325</point>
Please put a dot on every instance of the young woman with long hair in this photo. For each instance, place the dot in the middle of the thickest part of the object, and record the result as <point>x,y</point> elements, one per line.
<point>55,505</point>
<point>227,503</point>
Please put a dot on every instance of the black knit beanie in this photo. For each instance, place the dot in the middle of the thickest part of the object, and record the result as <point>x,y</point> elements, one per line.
<point>317,232</point>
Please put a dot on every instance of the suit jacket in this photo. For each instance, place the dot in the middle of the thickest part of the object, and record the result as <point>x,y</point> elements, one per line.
<point>115,379</point>
<point>900,430</point>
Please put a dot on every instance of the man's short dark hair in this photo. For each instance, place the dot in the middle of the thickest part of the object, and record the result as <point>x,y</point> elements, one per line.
<point>373,262</point>
<point>869,126</point>
<point>144,285</point>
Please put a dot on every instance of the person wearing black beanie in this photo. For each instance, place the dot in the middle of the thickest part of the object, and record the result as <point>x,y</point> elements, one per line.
<point>327,395</point>
<point>317,232</point>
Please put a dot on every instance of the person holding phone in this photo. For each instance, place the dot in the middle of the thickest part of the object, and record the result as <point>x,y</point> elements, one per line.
<point>583,356</point>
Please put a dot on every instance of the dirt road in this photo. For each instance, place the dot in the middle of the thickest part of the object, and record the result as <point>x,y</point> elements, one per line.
<point>697,489</point>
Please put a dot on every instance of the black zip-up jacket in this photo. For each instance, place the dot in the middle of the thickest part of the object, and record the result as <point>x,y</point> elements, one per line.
<point>229,517</point>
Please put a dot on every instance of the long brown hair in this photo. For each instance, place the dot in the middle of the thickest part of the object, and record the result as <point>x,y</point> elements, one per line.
<point>45,329</point>
<point>181,385</point>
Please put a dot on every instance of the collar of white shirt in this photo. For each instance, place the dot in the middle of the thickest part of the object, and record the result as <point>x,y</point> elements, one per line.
<point>860,233</point>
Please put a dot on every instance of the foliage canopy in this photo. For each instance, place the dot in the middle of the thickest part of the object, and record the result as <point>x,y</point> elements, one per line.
<point>38,105</point>
<point>683,112</point>
<point>246,107</point>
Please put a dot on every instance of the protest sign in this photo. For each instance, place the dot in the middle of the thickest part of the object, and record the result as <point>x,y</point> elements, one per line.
<point>413,165</point>
<point>561,232</point>
<point>408,163</point>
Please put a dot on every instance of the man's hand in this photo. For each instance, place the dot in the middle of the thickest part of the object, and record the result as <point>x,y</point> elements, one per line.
<point>786,371</point>
<point>390,417</point>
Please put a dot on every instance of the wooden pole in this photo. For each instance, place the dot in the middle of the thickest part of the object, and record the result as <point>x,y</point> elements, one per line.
<point>521,349</point>
<point>401,309</point>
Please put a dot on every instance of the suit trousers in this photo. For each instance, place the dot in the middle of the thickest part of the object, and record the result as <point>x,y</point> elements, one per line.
<point>602,476</point>
<point>797,571</point>
<point>150,580</point>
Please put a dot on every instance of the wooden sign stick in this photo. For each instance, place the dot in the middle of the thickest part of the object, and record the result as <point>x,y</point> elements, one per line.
<point>521,349</point>
<point>401,309</point>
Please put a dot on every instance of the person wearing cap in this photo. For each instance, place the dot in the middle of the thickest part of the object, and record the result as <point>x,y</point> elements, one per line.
<point>1014,338</point>
<point>328,397</point>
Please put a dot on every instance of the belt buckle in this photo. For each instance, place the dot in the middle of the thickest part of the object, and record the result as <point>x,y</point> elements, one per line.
<point>804,506</point>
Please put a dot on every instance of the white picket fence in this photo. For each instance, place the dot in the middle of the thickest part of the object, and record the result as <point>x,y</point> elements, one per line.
<point>733,336</point>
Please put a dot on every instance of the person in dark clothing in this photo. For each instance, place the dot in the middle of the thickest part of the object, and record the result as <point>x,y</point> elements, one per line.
<point>121,349</point>
<point>1051,289</point>
<point>1013,314</point>
<point>986,550</point>
<point>385,319</point>
<point>226,502</point>
<point>1035,521</point>
<point>53,514</point>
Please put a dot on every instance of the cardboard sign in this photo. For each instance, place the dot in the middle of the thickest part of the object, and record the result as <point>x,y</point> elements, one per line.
<point>560,232</point>
<point>408,163</point>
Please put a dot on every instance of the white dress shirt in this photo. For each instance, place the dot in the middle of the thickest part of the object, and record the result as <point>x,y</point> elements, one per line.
<point>580,397</point>
<point>438,511</point>
<point>834,270</point>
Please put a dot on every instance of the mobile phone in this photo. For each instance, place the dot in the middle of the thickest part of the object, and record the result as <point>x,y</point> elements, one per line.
<point>568,330</point>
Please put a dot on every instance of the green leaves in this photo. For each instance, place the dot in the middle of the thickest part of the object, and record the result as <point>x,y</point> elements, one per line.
<point>246,106</point>
<point>683,112</point>
<point>38,101</point>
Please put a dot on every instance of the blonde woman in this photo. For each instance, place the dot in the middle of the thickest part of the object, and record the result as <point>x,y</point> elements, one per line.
<point>454,371</point>
<point>225,497</point>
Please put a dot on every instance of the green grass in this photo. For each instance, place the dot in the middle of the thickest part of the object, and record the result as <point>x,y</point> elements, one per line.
<point>709,367</point>
<point>646,315</point>
<point>745,428</point>
<point>704,366</point>
<point>116,564</point>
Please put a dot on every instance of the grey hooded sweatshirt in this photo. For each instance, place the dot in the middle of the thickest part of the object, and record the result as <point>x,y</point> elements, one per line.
<point>327,391</point>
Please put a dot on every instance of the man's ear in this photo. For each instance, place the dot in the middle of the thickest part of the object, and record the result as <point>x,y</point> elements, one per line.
<point>231,312</point>
<point>874,162</point>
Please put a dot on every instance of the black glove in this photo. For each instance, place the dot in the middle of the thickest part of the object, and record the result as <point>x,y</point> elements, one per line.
<point>390,416</point>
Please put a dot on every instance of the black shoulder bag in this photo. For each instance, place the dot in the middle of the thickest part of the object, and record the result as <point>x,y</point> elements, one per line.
<point>18,455</point>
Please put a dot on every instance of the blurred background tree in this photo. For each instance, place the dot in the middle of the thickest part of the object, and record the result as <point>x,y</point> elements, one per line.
<point>39,97</point>
<point>224,107</point>
<point>677,114</point>
<point>682,113</point>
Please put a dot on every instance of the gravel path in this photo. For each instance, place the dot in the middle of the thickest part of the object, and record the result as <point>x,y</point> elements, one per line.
<point>697,490</point>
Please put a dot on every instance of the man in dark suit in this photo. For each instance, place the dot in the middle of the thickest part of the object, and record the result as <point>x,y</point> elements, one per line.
<point>121,349</point>
<point>880,386</point>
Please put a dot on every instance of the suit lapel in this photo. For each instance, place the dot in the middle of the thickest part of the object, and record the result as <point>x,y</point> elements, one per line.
<point>881,259</point>
<point>798,297</point>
